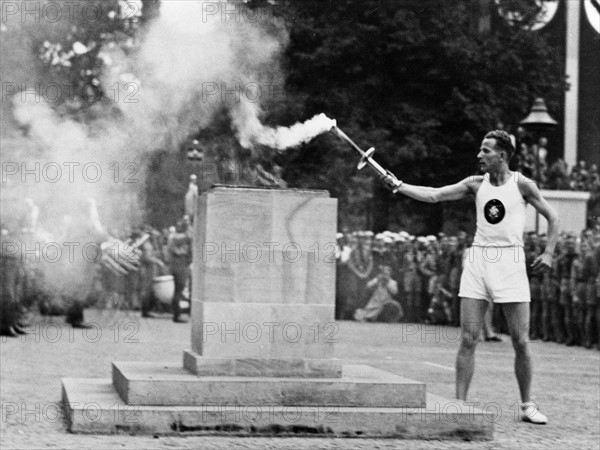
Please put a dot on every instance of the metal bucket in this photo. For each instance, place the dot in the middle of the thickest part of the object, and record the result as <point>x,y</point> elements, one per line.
<point>163,288</point>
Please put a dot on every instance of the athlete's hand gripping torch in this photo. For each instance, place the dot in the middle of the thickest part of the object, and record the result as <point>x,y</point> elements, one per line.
<point>388,178</point>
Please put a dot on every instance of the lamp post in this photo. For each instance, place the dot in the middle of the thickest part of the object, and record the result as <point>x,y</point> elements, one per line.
<point>537,121</point>
<point>194,153</point>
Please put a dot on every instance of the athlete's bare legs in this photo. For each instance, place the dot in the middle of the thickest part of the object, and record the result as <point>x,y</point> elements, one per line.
<point>517,316</point>
<point>472,312</point>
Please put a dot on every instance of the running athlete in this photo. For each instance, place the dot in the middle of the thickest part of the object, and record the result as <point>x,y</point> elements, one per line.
<point>495,266</point>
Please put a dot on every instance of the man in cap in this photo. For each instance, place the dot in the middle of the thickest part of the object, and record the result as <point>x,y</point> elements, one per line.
<point>180,257</point>
<point>593,284</point>
<point>564,266</point>
<point>535,286</point>
<point>498,275</point>
<point>191,197</point>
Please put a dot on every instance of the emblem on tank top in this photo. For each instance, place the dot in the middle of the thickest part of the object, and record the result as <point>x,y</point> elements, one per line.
<point>494,211</point>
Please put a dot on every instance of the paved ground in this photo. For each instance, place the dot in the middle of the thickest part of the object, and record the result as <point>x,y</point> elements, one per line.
<point>566,383</point>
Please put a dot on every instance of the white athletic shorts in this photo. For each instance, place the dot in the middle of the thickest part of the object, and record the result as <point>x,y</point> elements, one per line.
<point>495,274</point>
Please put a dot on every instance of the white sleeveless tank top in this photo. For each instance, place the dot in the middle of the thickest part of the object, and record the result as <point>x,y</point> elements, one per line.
<point>500,213</point>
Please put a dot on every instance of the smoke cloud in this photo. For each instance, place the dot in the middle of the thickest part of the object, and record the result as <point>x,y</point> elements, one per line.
<point>250,131</point>
<point>196,60</point>
<point>199,58</point>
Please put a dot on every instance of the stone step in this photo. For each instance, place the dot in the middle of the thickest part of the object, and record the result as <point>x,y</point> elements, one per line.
<point>94,406</point>
<point>262,367</point>
<point>150,383</point>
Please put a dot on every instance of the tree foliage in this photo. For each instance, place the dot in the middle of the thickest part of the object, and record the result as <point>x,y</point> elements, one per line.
<point>414,79</point>
<point>89,26</point>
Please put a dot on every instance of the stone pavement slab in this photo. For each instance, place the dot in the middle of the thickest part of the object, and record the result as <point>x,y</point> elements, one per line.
<point>566,383</point>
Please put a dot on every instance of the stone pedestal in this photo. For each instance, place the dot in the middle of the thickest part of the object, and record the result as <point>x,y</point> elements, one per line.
<point>264,284</point>
<point>263,334</point>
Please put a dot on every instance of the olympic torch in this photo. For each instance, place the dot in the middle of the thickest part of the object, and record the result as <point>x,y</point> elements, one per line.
<point>366,158</point>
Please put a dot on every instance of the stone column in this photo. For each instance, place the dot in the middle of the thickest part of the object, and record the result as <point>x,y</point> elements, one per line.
<point>572,70</point>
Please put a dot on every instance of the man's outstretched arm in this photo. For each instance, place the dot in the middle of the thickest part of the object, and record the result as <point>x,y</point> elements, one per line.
<point>433,195</point>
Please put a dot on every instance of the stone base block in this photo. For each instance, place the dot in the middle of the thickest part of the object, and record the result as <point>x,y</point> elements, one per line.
<point>93,406</point>
<point>141,383</point>
<point>261,367</point>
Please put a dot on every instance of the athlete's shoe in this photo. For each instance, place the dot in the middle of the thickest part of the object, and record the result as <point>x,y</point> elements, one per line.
<point>532,414</point>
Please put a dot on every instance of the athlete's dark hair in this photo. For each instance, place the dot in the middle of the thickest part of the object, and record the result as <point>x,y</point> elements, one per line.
<point>503,142</point>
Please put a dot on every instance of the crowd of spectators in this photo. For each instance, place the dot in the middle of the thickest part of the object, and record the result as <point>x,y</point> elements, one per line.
<point>557,175</point>
<point>109,282</point>
<point>165,252</point>
<point>397,277</point>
